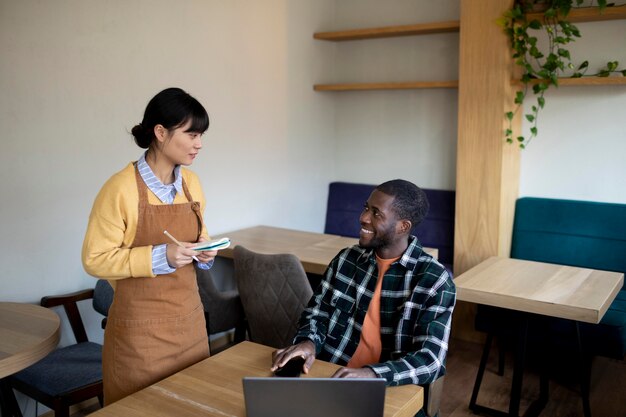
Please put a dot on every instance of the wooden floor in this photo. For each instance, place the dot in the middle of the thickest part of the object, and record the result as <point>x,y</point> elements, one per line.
<point>608,385</point>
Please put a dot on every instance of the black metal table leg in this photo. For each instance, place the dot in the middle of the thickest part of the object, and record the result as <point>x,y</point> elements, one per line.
<point>501,355</point>
<point>481,371</point>
<point>518,373</point>
<point>585,373</point>
<point>544,381</point>
<point>518,367</point>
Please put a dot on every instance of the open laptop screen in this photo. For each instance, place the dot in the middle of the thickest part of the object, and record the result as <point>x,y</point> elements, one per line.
<point>314,397</point>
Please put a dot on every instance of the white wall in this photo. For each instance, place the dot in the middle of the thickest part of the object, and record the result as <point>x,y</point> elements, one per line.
<point>580,152</point>
<point>411,134</point>
<point>75,77</point>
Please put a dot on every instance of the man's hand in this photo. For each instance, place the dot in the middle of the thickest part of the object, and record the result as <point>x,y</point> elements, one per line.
<point>304,349</point>
<point>355,373</point>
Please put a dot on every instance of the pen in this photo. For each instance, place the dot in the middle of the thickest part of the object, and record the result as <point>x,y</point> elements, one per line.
<point>166,233</point>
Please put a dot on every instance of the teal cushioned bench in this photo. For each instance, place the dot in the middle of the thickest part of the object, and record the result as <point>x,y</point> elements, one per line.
<point>584,234</point>
<point>577,233</point>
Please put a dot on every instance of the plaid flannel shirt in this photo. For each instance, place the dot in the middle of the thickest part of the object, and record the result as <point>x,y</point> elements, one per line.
<point>417,300</point>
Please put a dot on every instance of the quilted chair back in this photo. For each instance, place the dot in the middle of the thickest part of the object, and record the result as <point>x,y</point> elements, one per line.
<point>274,290</point>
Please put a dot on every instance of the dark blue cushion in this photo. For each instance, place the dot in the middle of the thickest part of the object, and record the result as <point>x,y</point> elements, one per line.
<point>345,204</point>
<point>65,369</point>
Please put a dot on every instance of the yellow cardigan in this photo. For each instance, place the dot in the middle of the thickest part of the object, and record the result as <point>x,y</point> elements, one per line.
<point>113,224</point>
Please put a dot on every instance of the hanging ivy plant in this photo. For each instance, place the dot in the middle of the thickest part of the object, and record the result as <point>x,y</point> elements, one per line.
<point>542,66</point>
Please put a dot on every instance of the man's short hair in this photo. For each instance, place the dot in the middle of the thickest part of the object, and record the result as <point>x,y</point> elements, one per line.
<point>410,201</point>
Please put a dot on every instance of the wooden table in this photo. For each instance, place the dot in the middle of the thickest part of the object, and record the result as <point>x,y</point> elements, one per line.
<point>27,333</point>
<point>213,387</point>
<point>578,294</point>
<point>315,250</point>
<point>567,292</point>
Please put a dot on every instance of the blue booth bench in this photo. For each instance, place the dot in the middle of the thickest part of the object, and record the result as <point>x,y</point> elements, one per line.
<point>346,201</point>
<point>575,233</point>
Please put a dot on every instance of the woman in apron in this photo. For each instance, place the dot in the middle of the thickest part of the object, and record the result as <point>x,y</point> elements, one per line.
<point>156,323</point>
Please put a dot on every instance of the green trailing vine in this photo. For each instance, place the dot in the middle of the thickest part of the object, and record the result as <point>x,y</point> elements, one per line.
<point>542,68</point>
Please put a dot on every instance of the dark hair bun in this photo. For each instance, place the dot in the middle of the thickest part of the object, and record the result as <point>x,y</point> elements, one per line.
<point>171,108</point>
<point>142,138</point>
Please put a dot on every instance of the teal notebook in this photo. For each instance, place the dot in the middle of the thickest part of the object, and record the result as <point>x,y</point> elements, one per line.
<point>218,244</point>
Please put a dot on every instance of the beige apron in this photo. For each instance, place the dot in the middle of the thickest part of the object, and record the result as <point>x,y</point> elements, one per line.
<point>156,325</point>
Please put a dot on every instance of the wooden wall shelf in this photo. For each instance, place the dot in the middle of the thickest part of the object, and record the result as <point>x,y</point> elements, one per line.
<point>386,86</point>
<point>585,81</point>
<point>389,31</point>
<point>589,14</point>
<point>576,15</point>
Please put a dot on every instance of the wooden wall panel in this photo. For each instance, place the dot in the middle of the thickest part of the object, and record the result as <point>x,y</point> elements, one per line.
<point>487,181</point>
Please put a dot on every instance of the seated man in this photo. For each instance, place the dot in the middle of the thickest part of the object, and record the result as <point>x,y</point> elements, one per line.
<point>384,307</point>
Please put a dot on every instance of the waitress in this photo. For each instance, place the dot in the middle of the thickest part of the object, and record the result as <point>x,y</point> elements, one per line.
<point>156,323</point>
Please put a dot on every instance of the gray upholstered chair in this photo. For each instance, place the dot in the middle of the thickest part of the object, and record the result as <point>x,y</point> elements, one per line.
<point>222,309</point>
<point>274,290</point>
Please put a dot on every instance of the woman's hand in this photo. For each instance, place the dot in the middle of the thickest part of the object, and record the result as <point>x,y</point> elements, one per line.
<point>178,256</point>
<point>205,256</point>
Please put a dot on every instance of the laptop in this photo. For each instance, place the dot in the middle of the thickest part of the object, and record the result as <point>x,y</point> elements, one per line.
<point>314,397</point>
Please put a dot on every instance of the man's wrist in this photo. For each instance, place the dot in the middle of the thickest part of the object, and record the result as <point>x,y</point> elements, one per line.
<point>298,339</point>
<point>308,345</point>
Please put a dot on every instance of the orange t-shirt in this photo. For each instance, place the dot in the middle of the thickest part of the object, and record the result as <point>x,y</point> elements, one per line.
<point>370,346</point>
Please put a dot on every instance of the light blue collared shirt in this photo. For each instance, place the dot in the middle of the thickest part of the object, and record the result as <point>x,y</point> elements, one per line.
<point>166,194</point>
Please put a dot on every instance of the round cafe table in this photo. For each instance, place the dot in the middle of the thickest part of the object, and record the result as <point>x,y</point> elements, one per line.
<point>28,333</point>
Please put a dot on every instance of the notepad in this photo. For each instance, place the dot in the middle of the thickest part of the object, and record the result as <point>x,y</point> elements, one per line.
<point>218,244</point>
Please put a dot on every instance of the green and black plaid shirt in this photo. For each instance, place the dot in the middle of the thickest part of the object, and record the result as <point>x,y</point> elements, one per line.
<point>417,299</point>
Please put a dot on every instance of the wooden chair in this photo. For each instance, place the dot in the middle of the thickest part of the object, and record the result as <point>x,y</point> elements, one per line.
<point>70,374</point>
